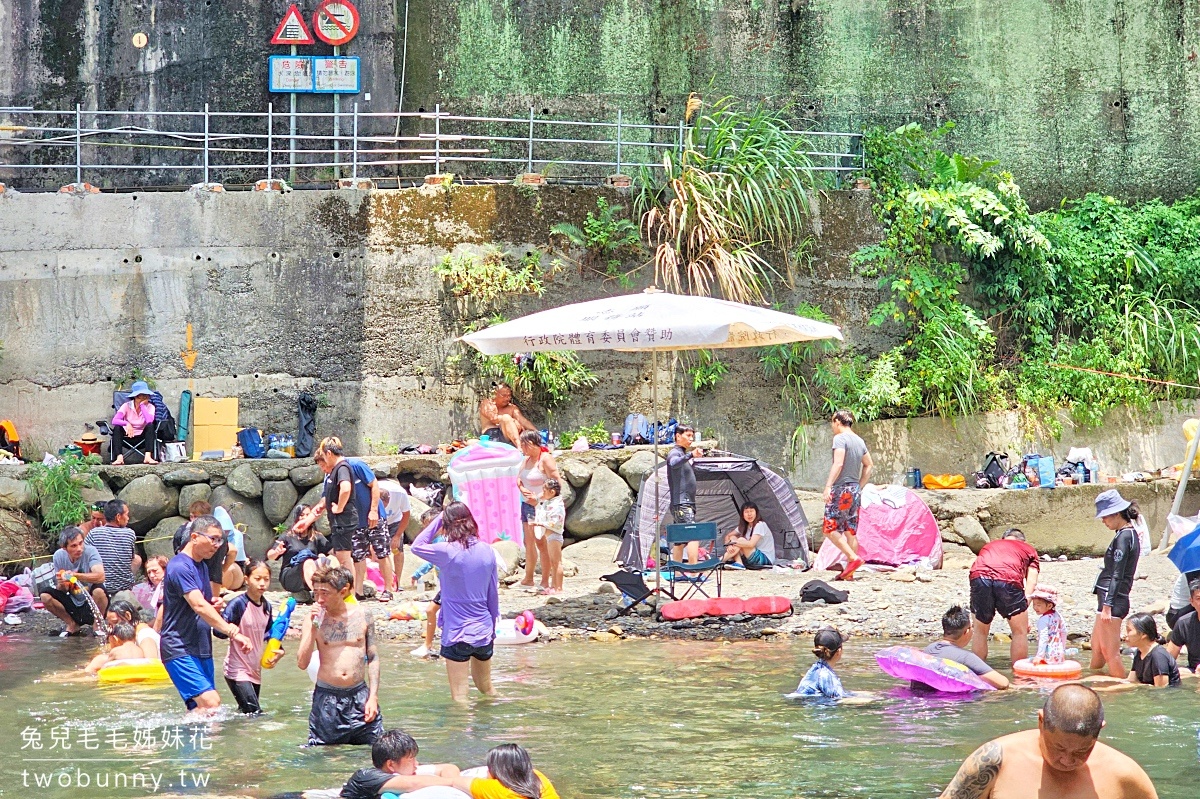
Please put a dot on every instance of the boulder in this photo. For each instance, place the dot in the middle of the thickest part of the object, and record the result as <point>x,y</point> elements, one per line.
<point>93,495</point>
<point>305,476</point>
<point>19,538</point>
<point>417,509</point>
<point>244,481</point>
<point>150,501</point>
<point>278,499</point>
<point>159,540</point>
<point>568,493</point>
<point>185,476</point>
<point>637,467</point>
<point>196,492</point>
<point>260,533</point>
<point>577,472</point>
<point>274,473</point>
<point>507,555</point>
<point>601,506</point>
<point>971,532</point>
<point>17,495</point>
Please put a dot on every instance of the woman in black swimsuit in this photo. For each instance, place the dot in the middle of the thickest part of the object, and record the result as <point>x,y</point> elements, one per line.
<point>1115,581</point>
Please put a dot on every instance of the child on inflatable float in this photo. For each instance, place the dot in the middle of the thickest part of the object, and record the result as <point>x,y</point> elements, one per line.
<point>1050,660</point>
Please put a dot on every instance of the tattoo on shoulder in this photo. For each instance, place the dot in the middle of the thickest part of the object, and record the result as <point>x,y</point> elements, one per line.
<point>975,777</point>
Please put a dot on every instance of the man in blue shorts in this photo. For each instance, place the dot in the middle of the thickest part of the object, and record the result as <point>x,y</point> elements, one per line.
<point>189,616</point>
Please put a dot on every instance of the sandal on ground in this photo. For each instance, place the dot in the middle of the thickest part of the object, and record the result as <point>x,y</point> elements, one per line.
<point>851,567</point>
<point>384,596</point>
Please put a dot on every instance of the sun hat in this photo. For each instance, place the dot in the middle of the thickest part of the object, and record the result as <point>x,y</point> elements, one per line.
<point>139,389</point>
<point>1045,592</point>
<point>1110,502</point>
<point>89,438</point>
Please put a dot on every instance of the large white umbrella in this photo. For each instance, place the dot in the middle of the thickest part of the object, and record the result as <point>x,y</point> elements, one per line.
<point>653,320</point>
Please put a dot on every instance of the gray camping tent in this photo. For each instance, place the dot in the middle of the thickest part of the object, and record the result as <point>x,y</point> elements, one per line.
<point>724,482</point>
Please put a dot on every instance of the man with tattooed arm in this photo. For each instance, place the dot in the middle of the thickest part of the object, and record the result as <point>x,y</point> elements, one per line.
<point>1062,758</point>
<point>345,708</point>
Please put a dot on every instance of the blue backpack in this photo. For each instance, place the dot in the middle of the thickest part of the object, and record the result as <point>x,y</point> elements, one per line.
<point>251,442</point>
<point>637,429</point>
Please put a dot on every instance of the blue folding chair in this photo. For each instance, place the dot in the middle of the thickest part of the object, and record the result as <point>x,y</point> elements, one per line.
<point>694,575</point>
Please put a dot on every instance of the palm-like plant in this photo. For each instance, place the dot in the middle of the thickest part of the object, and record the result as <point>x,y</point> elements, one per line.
<point>741,180</point>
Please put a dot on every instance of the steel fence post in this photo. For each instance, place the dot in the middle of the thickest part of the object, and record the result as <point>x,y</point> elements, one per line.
<point>78,144</point>
<point>437,139</point>
<point>681,139</point>
<point>354,155</point>
<point>206,144</point>
<point>529,165</point>
<point>270,141</point>
<point>618,141</point>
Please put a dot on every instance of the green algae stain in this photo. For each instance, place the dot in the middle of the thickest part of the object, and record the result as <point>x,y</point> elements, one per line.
<point>625,49</point>
<point>563,67</point>
<point>488,56</point>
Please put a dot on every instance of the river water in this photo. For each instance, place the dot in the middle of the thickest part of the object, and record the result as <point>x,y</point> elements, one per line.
<point>639,719</point>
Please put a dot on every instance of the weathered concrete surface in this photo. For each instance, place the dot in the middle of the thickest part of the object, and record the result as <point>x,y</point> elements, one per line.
<point>334,293</point>
<point>1124,442</point>
<point>1072,96</point>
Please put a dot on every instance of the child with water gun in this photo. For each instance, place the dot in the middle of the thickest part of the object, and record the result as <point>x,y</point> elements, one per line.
<point>251,612</point>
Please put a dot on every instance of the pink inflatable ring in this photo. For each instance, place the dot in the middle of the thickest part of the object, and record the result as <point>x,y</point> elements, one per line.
<point>1067,670</point>
<point>908,663</point>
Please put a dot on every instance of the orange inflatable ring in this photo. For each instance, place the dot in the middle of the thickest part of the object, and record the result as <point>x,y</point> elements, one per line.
<point>1067,670</point>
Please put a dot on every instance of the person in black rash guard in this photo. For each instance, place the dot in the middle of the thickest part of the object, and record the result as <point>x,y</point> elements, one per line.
<point>297,550</point>
<point>681,481</point>
<point>1186,632</point>
<point>394,754</point>
<point>1115,581</point>
<point>1153,663</point>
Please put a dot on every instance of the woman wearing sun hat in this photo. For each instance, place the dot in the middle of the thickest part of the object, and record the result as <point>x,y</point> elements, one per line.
<point>134,422</point>
<point>1115,581</point>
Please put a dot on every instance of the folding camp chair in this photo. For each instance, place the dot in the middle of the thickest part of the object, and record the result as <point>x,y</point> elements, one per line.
<point>696,575</point>
<point>632,586</point>
<point>133,453</point>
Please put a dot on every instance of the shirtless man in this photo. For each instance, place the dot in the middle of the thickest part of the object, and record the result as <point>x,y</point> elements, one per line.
<point>500,419</point>
<point>345,709</point>
<point>1061,758</point>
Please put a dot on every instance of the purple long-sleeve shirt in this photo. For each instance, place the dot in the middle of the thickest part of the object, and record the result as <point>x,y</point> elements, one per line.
<point>470,587</point>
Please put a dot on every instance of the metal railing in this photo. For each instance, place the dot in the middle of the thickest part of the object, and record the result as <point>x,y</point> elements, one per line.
<point>139,149</point>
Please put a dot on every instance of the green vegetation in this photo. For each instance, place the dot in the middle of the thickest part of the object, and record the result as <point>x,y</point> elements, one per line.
<point>60,488</point>
<point>595,434</point>
<point>706,371</point>
<point>741,182</point>
<point>493,276</point>
<point>607,236</point>
<point>1094,284</point>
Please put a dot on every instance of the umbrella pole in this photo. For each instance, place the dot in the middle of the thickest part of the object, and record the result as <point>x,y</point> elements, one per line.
<point>657,528</point>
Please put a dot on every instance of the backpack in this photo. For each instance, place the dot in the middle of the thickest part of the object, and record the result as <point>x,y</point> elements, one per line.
<point>637,429</point>
<point>995,469</point>
<point>819,589</point>
<point>251,442</point>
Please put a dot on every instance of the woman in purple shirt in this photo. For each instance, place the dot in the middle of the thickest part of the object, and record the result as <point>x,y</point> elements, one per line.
<point>470,597</point>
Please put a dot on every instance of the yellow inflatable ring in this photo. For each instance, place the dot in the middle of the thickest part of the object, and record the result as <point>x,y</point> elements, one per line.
<point>132,670</point>
<point>1067,670</point>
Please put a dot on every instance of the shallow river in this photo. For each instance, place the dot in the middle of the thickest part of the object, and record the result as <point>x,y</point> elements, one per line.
<point>619,721</point>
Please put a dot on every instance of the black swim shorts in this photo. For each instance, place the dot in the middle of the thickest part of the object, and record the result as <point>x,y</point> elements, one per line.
<point>462,651</point>
<point>341,540</point>
<point>989,597</point>
<point>1120,605</point>
<point>337,716</point>
<point>82,614</point>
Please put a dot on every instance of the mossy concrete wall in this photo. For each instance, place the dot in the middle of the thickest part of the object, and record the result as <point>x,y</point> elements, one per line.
<point>1072,95</point>
<point>335,293</point>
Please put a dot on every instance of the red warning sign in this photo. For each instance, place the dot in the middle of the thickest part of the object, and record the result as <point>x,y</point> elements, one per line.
<point>335,21</point>
<point>292,29</point>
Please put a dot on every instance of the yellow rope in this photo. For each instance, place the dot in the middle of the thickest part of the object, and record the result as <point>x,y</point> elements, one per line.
<point>33,558</point>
